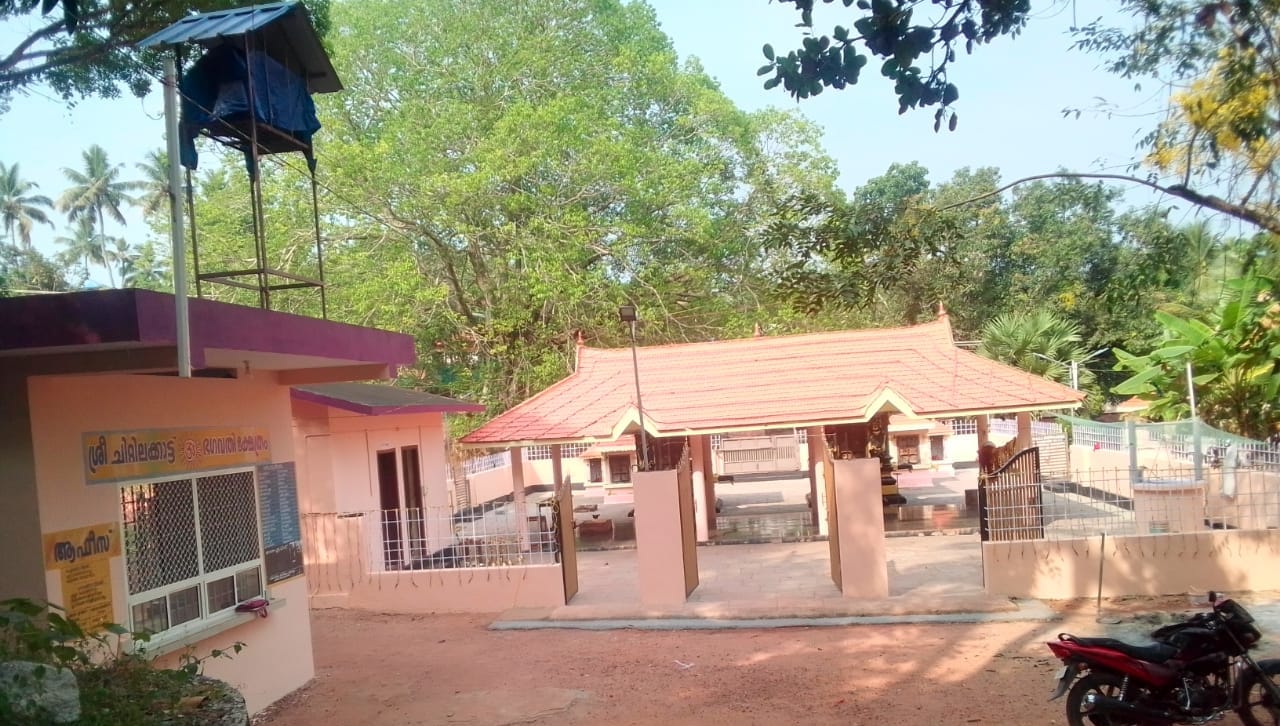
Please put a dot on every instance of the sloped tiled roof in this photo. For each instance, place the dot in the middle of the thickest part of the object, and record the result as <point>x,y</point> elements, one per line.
<point>795,380</point>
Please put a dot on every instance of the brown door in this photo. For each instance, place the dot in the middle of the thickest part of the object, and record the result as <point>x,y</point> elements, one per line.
<point>389,503</point>
<point>937,450</point>
<point>619,468</point>
<point>909,449</point>
<point>415,545</point>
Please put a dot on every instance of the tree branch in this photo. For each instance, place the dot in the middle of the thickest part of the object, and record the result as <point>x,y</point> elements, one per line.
<point>1256,217</point>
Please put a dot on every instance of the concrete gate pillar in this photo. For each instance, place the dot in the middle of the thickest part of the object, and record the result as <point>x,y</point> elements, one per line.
<point>1025,440</point>
<point>517,497</point>
<point>701,474</point>
<point>659,545</point>
<point>984,430</point>
<point>860,517</point>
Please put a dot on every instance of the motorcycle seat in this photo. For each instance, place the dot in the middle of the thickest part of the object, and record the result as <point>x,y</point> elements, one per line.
<point>1154,653</point>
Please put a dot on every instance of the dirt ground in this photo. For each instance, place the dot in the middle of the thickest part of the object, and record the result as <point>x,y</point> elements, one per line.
<point>380,670</point>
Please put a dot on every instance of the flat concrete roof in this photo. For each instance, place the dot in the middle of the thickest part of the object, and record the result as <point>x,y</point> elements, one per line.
<point>379,399</point>
<point>223,336</point>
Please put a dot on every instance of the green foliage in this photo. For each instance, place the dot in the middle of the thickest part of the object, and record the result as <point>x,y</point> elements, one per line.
<point>1233,352</point>
<point>499,178</point>
<point>97,57</point>
<point>24,270</point>
<point>116,687</point>
<point>903,37</point>
<point>899,247</point>
<point>1040,342</point>
<point>20,210</point>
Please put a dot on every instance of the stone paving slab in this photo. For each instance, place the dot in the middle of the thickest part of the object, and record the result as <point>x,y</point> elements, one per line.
<point>928,577</point>
<point>729,618</point>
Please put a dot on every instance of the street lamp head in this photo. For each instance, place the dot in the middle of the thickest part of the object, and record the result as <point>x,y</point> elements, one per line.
<point>627,313</point>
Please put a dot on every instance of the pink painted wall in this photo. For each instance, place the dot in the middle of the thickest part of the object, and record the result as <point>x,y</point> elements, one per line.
<point>659,549</point>
<point>1230,561</point>
<point>860,516</point>
<point>341,564</point>
<point>1256,504</point>
<point>478,590</point>
<point>62,408</point>
<point>494,483</point>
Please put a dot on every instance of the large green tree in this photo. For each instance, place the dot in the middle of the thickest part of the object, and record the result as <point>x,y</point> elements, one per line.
<point>1218,136</point>
<point>498,179</point>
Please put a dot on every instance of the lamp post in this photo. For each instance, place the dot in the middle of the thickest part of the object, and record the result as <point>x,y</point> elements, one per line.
<point>1073,365</point>
<point>627,314</point>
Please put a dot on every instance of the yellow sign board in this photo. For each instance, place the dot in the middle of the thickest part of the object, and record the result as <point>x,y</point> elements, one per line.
<point>87,594</point>
<point>65,548</point>
<point>111,456</point>
<point>83,558</point>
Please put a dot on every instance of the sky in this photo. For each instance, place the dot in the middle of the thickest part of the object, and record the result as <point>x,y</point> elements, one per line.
<point>1012,94</point>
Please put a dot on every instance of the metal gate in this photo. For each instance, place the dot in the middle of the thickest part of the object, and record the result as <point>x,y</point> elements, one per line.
<point>568,555</point>
<point>688,525</point>
<point>1010,503</point>
<point>833,526</point>
<point>750,454</point>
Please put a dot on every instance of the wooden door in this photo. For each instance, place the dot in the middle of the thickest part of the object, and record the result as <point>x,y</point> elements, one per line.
<point>389,504</point>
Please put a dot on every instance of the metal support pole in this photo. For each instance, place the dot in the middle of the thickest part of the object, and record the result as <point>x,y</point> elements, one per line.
<point>176,235</point>
<point>1075,375</point>
<point>644,437</point>
<point>1197,446</point>
<point>1102,557</point>
<point>315,216</point>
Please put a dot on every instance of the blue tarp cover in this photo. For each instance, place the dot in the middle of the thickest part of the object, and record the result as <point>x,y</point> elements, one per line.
<point>216,89</point>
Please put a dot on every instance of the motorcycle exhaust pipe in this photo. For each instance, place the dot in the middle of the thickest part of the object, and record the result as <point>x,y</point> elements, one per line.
<point>1099,704</point>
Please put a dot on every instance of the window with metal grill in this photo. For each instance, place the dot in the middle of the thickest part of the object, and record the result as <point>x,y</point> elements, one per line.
<point>192,548</point>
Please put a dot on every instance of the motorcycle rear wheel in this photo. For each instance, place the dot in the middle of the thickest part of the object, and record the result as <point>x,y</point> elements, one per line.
<point>1259,708</point>
<point>1104,684</point>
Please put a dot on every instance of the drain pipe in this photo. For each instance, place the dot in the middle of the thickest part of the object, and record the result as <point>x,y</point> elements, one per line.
<point>177,234</point>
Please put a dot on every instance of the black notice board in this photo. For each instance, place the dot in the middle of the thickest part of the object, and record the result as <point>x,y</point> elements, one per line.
<point>281,532</point>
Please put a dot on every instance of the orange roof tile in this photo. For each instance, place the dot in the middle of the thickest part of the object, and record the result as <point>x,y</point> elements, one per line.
<point>751,383</point>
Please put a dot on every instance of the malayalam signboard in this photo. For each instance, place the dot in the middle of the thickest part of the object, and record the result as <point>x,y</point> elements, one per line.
<point>112,456</point>
<point>82,557</point>
<point>281,531</point>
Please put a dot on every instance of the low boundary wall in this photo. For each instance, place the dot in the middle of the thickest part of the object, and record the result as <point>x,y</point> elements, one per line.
<point>1227,560</point>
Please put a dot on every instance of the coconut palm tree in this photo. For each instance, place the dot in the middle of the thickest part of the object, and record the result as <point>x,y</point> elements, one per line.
<point>20,210</point>
<point>86,246</point>
<point>1039,342</point>
<point>96,191</point>
<point>155,183</point>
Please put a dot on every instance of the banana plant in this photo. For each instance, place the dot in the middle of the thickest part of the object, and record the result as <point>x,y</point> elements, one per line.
<point>1234,354</point>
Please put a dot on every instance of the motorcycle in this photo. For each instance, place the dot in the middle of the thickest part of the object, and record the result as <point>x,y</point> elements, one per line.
<point>1196,671</point>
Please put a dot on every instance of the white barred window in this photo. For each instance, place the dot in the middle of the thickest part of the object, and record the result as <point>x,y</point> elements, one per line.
<point>191,547</point>
<point>574,451</point>
<point>537,452</point>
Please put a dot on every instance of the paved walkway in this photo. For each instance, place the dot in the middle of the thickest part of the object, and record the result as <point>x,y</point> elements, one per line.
<point>928,575</point>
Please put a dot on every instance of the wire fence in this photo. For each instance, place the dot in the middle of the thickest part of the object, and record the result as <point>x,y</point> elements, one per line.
<point>488,462</point>
<point>435,538</point>
<point>1132,502</point>
<point>1171,444</point>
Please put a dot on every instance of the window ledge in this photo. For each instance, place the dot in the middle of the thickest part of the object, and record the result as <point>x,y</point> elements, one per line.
<point>166,643</point>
